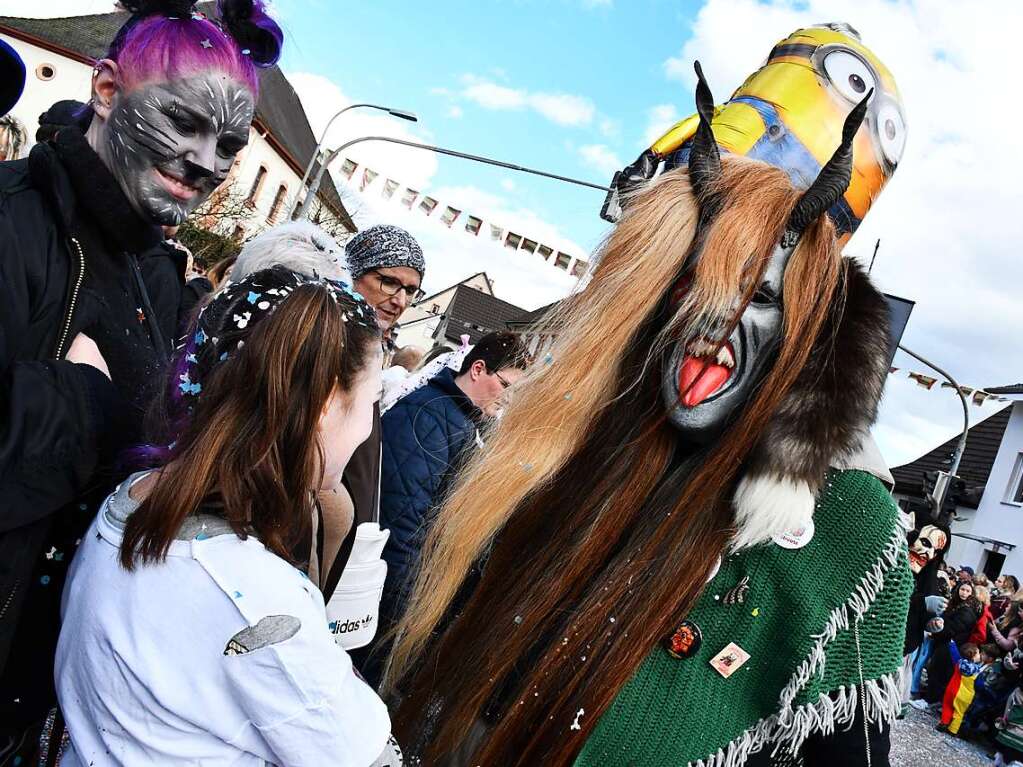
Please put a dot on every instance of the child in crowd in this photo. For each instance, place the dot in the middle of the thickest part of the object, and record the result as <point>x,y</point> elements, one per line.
<point>995,682</point>
<point>961,689</point>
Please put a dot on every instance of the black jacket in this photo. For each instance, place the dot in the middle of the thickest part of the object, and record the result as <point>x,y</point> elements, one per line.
<point>74,257</point>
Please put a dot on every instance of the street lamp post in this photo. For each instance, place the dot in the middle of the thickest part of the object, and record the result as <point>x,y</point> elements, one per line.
<point>315,186</point>
<point>400,113</point>
<point>941,486</point>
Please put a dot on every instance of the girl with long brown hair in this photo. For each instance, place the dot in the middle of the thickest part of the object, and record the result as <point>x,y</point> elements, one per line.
<point>188,634</point>
<point>666,528</point>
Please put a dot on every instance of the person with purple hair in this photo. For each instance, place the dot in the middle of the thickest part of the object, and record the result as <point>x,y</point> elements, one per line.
<point>90,298</point>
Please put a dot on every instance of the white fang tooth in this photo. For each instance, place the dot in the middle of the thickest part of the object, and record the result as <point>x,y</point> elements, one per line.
<point>725,358</point>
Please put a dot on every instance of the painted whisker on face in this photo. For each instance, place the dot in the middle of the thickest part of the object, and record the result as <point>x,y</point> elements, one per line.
<point>172,144</point>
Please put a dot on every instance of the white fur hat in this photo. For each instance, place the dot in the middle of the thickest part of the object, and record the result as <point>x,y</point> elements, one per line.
<point>300,246</point>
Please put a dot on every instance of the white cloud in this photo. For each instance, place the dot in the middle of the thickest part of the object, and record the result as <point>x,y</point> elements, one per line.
<point>507,185</point>
<point>563,108</point>
<point>610,128</point>
<point>322,98</point>
<point>455,112</point>
<point>601,159</point>
<point>560,108</point>
<point>944,220</point>
<point>493,96</point>
<point>659,119</point>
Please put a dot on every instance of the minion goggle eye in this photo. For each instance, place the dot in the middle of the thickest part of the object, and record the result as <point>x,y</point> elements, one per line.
<point>852,76</point>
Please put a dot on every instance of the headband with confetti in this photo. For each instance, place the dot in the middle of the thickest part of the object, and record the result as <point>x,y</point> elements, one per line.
<point>226,322</point>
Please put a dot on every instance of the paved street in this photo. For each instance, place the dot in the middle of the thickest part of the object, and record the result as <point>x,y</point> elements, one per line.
<point>915,743</point>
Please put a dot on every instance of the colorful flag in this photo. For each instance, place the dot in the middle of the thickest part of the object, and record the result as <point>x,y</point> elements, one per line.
<point>409,198</point>
<point>925,381</point>
<point>427,205</point>
<point>368,176</point>
<point>348,168</point>
<point>449,215</point>
<point>390,187</point>
<point>473,225</point>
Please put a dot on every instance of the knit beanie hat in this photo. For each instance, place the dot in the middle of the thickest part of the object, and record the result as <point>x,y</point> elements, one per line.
<point>383,246</point>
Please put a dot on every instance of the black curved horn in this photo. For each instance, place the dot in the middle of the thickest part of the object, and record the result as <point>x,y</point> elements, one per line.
<point>834,177</point>
<point>704,156</point>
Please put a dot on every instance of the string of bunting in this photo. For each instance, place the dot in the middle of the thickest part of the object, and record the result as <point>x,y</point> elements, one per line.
<point>977,396</point>
<point>474,225</point>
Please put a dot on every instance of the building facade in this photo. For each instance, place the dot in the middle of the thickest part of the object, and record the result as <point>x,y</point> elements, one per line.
<point>987,526</point>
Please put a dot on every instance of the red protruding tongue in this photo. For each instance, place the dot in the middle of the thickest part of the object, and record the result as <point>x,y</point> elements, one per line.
<point>699,378</point>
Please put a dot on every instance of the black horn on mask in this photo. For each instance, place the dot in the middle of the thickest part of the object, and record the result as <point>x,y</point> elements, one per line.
<point>704,156</point>
<point>833,179</point>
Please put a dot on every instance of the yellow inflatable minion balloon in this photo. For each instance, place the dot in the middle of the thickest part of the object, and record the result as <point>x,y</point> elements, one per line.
<point>790,113</point>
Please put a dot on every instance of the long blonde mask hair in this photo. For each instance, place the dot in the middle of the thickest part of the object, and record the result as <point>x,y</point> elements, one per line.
<point>603,369</point>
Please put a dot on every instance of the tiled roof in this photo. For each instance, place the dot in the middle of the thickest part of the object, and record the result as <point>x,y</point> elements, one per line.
<point>530,318</point>
<point>279,108</point>
<point>426,299</point>
<point>1013,389</point>
<point>477,313</point>
<point>982,445</point>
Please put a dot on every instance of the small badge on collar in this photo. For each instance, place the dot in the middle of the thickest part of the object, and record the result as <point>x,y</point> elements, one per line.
<point>795,539</point>
<point>729,660</point>
<point>685,642</point>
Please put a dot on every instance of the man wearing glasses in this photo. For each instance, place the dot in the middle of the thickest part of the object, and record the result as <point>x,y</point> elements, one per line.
<point>427,436</point>
<point>387,266</point>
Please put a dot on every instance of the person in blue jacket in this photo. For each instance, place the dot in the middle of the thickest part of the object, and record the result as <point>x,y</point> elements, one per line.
<point>427,436</point>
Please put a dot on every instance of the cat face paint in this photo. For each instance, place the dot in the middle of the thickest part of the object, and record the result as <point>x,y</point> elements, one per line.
<point>171,144</point>
<point>704,387</point>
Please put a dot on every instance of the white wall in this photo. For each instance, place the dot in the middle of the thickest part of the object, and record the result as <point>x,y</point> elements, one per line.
<point>421,333</point>
<point>996,518</point>
<point>71,81</point>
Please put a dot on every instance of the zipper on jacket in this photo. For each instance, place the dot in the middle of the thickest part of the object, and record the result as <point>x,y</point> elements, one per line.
<point>162,349</point>
<point>10,598</point>
<point>74,290</point>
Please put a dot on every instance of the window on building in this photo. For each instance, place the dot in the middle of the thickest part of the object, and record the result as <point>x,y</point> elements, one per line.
<point>1014,492</point>
<point>275,209</point>
<point>435,309</point>
<point>257,185</point>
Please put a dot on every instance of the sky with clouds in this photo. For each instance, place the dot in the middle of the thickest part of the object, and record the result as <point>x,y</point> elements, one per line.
<point>580,87</point>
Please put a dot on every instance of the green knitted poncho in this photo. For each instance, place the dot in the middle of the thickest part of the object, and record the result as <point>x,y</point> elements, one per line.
<point>823,625</point>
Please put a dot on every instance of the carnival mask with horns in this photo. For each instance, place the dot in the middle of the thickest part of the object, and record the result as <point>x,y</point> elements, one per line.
<point>718,363</point>
<point>709,378</point>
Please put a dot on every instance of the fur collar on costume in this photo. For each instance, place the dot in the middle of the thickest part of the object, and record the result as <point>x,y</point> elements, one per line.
<point>823,421</point>
<point>84,192</point>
